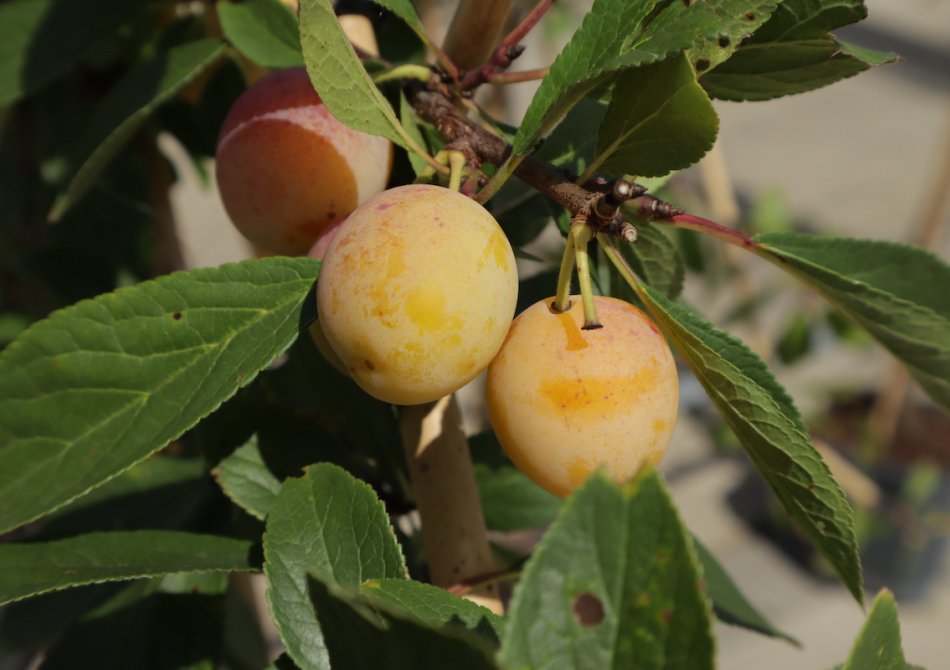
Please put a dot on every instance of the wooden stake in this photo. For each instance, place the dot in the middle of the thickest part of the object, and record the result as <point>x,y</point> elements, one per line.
<point>475,30</point>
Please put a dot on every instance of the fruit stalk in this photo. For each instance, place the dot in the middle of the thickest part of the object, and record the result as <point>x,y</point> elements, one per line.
<point>454,536</point>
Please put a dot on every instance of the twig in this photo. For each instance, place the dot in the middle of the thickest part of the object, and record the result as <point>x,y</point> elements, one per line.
<point>517,77</point>
<point>508,50</point>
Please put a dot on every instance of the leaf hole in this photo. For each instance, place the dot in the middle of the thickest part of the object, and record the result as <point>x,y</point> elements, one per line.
<point>702,64</point>
<point>177,316</point>
<point>588,610</point>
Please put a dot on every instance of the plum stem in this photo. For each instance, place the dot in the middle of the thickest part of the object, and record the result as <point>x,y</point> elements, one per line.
<point>409,71</point>
<point>580,235</point>
<point>562,299</point>
<point>456,166</point>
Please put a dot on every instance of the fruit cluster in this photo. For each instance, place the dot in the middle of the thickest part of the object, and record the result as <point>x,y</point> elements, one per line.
<point>418,288</point>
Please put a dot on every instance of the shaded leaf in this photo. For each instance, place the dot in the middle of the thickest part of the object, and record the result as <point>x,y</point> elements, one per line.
<point>655,258</point>
<point>613,584</point>
<point>245,479</point>
<point>659,119</point>
<point>897,293</point>
<point>362,637</point>
<point>432,606</point>
<point>100,385</point>
<point>769,427</point>
<point>330,525</point>
<point>511,501</point>
<point>729,603</point>
<point>265,31</point>
<point>127,105</point>
<point>43,39</point>
<point>405,11</point>
<point>39,567</point>
<point>339,77</point>
<point>878,645</point>
<point>793,53</point>
<point>407,116</point>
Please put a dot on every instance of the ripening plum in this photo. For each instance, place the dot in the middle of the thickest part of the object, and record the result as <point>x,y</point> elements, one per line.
<point>565,401</point>
<point>416,293</point>
<point>287,169</point>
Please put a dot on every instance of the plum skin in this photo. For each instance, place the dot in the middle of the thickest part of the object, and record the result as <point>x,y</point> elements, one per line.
<point>287,169</point>
<point>564,401</point>
<point>416,293</point>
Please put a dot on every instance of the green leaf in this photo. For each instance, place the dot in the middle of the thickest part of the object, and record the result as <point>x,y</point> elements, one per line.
<point>245,479</point>
<point>405,11</point>
<point>897,293</point>
<point>38,567</point>
<point>729,603</point>
<point>339,77</point>
<point>606,43</point>
<point>613,584</point>
<point>655,258</point>
<point>127,105</point>
<point>659,119</point>
<point>265,31</point>
<point>330,525</point>
<point>97,387</point>
<point>407,116</point>
<point>878,646</point>
<point>432,606</point>
<point>769,427</point>
<point>359,636</point>
<point>41,40</point>
<point>511,501</point>
<point>793,53</point>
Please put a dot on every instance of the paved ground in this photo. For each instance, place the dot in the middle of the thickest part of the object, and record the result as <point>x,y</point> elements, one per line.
<point>856,159</point>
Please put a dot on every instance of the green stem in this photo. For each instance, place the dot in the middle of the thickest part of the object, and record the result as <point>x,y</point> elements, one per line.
<point>495,183</point>
<point>607,244</point>
<point>410,71</point>
<point>562,299</point>
<point>580,235</point>
<point>456,166</point>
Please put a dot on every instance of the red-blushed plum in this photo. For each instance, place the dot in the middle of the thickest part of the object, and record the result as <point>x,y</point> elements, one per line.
<point>416,293</point>
<point>287,169</point>
<point>564,401</point>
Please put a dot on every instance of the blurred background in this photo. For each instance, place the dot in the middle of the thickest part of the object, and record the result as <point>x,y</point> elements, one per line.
<point>867,157</point>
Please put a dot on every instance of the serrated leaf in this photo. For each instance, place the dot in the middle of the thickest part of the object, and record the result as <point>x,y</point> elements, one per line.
<point>433,606</point>
<point>41,40</point>
<point>769,427</point>
<point>659,119</point>
<point>729,603</point>
<point>878,645</point>
<point>608,41</point>
<point>330,525</point>
<point>99,386</point>
<point>655,258</point>
<point>511,501</point>
<point>613,584</point>
<point>265,31</point>
<point>245,479</point>
<point>39,567</point>
<point>360,636</point>
<point>127,105</point>
<point>339,77</point>
<point>897,293</point>
<point>794,52</point>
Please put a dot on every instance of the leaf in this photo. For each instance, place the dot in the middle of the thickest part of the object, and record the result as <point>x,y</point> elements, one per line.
<point>405,11</point>
<point>601,47</point>
<point>793,53</point>
<point>659,119</point>
<point>729,603</point>
<point>339,77</point>
<point>897,293</point>
<point>98,386</point>
<point>41,40</point>
<point>655,258</point>
<point>407,116</point>
<point>127,105</point>
<point>432,606</point>
<point>245,479</point>
<point>511,501</point>
<point>39,567</point>
<point>358,636</point>
<point>613,584</point>
<point>329,525</point>
<point>769,427</point>
<point>878,645</point>
<point>265,31</point>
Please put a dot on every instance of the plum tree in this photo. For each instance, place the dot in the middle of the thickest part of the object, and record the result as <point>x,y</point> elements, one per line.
<point>416,292</point>
<point>565,401</point>
<point>287,169</point>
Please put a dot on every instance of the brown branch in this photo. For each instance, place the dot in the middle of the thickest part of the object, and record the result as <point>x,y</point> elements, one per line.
<point>517,77</point>
<point>474,31</point>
